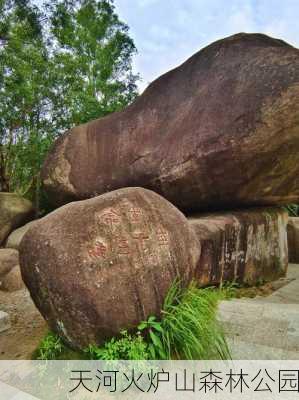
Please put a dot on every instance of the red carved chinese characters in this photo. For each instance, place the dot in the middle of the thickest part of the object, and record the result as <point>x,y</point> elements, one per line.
<point>163,236</point>
<point>122,246</point>
<point>142,238</point>
<point>135,215</point>
<point>99,250</point>
<point>110,218</point>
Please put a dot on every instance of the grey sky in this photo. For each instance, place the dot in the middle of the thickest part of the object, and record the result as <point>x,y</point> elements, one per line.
<point>168,32</point>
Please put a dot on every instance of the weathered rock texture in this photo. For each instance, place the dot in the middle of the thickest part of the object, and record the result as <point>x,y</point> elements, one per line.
<point>14,239</point>
<point>12,281</point>
<point>293,240</point>
<point>10,276</point>
<point>14,212</point>
<point>247,246</point>
<point>221,130</point>
<point>97,266</point>
<point>9,258</point>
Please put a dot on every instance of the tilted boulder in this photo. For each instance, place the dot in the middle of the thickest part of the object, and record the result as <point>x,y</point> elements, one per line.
<point>14,212</point>
<point>247,247</point>
<point>221,130</point>
<point>97,266</point>
<point>14,239</point>
<point>293,240</point>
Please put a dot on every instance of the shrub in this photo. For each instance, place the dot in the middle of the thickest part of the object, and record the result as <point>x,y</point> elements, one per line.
<point>127,347</point>
<point>50,348</point>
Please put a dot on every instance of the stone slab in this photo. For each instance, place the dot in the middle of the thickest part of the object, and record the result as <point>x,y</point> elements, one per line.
<point>247,247</point>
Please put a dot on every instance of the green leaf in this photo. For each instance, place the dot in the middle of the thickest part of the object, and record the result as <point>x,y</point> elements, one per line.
<point>142,326</point>
<point>157,326</point>
<point>152,351</point>
<point>155,339</point>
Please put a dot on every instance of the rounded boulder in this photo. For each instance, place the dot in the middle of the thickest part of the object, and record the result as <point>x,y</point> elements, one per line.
<point>98,266</point>
<point>15,211</point>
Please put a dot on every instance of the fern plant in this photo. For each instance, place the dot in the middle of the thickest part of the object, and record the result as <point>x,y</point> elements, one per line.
<point>127,347</point>
<point>50,348</point>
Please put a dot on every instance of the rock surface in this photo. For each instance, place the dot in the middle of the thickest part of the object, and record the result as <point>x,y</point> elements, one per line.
<point>14,212</point>
<point>9,258</point>
<point>4,321</point>
<point>12,281</point>
<point>247,246</point>
<point>97,266</point>
<point>293,239</point>
<point>221,130</point>
<point>14,239</point>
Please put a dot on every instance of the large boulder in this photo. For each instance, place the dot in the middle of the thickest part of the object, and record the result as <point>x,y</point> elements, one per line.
<point>293,240</point>
<point>221,130</point>
<point>97,266</point>
<point>14,239</point>
<point>9,258</point>
<point>247,247</point>
<point>14,212</point>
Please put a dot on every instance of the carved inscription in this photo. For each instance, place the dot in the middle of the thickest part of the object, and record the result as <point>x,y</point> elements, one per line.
<point>163,236</point>
<point>122,246</point>
<point>126,234</point>
<point>110,217</point>
<point>98,251</point>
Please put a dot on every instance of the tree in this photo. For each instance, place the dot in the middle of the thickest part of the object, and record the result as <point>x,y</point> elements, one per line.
<point>23,94</point>
<point>61,65</point>
<point>92,60</point>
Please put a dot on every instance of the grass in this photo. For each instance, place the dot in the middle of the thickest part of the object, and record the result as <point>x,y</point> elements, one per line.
<point>188,329</point>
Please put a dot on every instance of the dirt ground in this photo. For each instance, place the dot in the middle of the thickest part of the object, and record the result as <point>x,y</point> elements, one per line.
<point>27,326</point>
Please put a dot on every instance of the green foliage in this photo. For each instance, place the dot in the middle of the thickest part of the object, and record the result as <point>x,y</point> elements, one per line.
<point>23,94</point>
<point>61,64</point>
<point>127,347</point>
<point>229,290</point>
<point>190,329</point>
<point>92,60</point>
<point>293,210</point>
<point>50,348</point>
<point>153,330</point>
